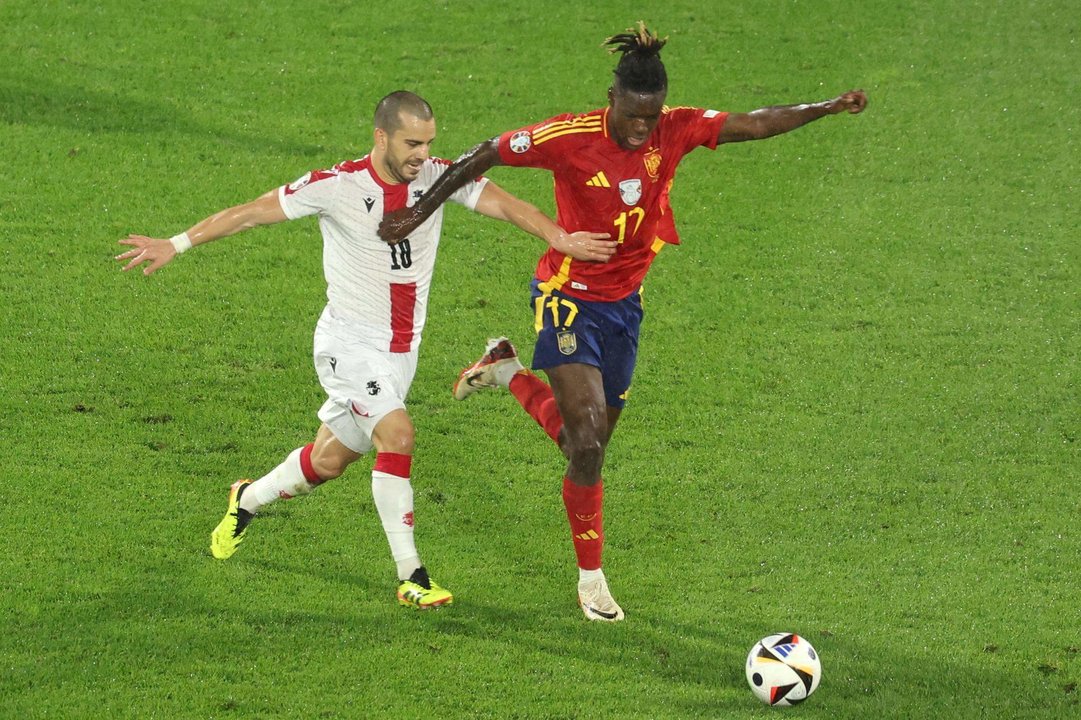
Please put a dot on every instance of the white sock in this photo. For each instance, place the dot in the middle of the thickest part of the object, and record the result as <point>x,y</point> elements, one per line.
<point>393,497</point>
<point>504,372</point>
<point>285,481</point>
<point>588,576</point>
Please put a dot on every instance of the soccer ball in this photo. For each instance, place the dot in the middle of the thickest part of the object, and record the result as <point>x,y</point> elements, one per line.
<point>783,669</point>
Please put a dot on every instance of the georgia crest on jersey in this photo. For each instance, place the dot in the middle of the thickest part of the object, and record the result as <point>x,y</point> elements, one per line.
<point>602,187</point>
<point>380,291</point>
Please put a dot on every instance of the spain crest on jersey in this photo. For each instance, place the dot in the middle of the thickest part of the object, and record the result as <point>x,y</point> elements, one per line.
<point>567,342</point>
<point>630,191</point>
<point>652,161</point>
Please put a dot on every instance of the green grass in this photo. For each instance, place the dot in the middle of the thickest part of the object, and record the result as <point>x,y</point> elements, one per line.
<point>855,414</point>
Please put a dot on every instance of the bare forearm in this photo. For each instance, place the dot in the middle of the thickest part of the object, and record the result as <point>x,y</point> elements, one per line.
<point>495,202</point>
<point>469,166</point>
<point>263,211</point>
<point>778,119</point>
<point>156,252</point>
<point>581,245</point>
<point>501,205</point>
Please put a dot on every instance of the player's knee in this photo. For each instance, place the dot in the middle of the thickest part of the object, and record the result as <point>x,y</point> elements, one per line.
<point>585,454</point>
<point>401,442</point>
<point>394,434</point>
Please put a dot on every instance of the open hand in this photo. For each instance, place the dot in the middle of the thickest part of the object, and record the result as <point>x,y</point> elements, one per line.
<point>587,246</point>
<point>154,251</point>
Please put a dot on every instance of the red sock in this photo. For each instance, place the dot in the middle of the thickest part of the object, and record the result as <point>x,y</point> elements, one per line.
<point>306,466</point>
<point>536,397</point>
<point>583,503</point>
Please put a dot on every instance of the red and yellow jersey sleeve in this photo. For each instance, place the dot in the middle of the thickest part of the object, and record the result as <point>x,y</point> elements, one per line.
<point>545,144</point>
<point>692,127</point>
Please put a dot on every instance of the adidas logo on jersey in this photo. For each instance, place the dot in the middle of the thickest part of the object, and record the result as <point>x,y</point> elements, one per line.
<point>598,180</point>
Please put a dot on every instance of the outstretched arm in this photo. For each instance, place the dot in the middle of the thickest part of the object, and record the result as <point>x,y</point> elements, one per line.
<point>769,121</point>
<point>157,252</point>
<point>398,224</point>
<point>495,202</point>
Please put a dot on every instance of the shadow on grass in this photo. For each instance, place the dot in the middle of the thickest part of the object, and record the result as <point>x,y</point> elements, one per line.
<point>176,605</point>
<point>685,669</point>
<point>38,102</point>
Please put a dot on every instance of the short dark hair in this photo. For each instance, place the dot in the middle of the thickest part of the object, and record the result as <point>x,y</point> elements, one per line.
<point>640,68</point>
<point>388,110</point>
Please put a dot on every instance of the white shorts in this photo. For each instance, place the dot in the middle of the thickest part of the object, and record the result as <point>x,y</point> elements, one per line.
<point>362,383</point>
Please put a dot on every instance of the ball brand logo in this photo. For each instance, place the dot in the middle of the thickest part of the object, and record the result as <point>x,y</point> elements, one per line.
<point>784,650</point>
<point>407,519</point>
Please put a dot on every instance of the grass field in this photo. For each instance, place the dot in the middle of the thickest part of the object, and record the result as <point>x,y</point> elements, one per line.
<point>855,415</point>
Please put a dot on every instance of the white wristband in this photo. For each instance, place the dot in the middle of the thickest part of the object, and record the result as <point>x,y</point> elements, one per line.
<point>181,243</point>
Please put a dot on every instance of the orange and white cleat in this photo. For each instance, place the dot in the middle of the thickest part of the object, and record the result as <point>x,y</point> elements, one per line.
<point>494,369</point>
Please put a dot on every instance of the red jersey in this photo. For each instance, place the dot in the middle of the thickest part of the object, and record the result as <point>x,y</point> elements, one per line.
<point>600,187</point>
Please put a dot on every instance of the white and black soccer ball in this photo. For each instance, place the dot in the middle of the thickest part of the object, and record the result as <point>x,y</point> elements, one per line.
<point>783,669</point>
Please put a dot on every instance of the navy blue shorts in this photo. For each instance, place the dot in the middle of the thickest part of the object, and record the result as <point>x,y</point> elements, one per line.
<point>601,334</point>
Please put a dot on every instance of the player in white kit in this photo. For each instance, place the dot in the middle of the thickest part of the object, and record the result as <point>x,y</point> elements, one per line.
<point>366,340</point>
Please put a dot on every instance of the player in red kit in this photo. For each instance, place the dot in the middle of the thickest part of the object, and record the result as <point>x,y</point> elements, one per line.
<point>613,171</point>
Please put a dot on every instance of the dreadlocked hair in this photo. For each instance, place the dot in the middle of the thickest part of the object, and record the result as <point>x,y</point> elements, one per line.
<point>640,68</point>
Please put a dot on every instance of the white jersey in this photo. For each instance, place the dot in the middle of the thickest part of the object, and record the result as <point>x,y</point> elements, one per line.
<point>378,290</point>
